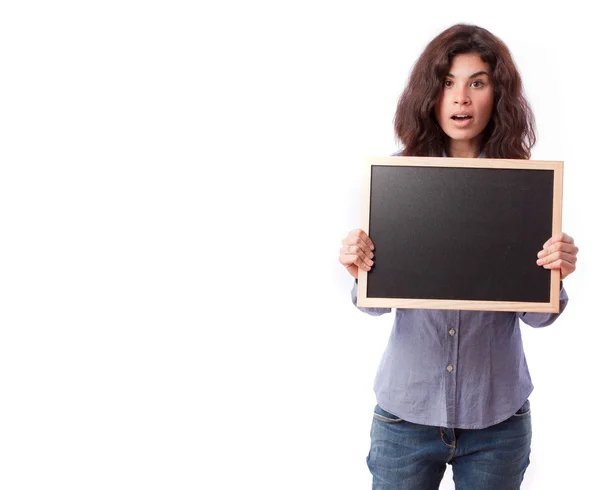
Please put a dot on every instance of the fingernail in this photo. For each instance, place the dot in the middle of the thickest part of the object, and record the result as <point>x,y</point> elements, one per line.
<point>540,253</point>
<point>372,247</point>
<point>539,262</point>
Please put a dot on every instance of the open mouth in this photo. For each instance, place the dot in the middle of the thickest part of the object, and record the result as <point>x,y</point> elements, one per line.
<point>461,117</point>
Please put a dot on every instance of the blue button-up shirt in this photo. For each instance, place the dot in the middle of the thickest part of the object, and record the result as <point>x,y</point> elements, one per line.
<point>455,368</point>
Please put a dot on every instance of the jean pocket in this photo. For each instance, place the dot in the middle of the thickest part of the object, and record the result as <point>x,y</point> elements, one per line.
<point>523,411</point>
<point>380,414</point>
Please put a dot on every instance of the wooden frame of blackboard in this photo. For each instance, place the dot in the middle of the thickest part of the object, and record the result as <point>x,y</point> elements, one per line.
<point>490,168</point>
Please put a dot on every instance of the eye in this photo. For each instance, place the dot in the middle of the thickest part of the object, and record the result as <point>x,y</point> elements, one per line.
<point>477,84</point>
<point>447,83</point>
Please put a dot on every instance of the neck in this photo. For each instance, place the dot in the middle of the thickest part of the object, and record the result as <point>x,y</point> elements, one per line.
<point>463,149</point>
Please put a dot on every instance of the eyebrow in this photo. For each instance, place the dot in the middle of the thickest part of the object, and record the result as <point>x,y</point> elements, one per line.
<point>474,75</point>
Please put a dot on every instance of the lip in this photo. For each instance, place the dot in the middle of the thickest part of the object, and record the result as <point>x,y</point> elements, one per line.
<point>461,113</point>
<point>462,123</point>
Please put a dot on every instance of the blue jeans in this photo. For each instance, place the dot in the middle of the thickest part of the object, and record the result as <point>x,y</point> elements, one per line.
<point>407,456</point>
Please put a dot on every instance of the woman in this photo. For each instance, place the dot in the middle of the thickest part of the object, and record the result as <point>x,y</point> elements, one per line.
<point>453,386</point>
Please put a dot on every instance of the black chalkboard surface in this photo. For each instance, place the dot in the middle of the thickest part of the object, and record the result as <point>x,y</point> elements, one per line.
<point>460,233</point>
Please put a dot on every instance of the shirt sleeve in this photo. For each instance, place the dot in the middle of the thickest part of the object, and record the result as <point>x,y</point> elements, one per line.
<point>370,311</point>
<point>545,319</point>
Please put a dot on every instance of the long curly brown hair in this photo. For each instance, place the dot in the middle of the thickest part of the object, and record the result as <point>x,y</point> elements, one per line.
<point>511,130</point>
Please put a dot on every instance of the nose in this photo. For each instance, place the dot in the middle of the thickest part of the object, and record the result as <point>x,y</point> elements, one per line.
<point>461,96</point>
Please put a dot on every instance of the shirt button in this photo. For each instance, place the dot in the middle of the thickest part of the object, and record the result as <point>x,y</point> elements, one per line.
<point>451,331</point>
<point>449,368</point>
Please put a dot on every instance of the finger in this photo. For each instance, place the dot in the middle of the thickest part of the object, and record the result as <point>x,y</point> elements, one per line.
<point>565,267</point>
<point>559,247</point>
<point>362,236</point>
<point>346,260</point>
<point>356,262</point>
<point>559,237</point>
<point>354,240</point>
<point>557,257</point>
<point>349,265</point>
<point>361,259</point>
<point>352,254</point>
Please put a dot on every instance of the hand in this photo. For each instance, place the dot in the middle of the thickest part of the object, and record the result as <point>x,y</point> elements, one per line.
<point>559,252</point>
<point>357,251</point>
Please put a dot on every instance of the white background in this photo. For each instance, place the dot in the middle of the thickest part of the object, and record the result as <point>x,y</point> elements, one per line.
<point>175,182</point>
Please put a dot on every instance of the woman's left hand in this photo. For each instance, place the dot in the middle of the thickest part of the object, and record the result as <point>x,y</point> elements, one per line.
<point>559,252</point>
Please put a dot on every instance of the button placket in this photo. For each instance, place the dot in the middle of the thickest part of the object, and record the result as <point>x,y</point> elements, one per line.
<point>450,378</point>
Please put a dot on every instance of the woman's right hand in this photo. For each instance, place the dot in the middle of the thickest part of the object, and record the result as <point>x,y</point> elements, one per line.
<point>357,251</point>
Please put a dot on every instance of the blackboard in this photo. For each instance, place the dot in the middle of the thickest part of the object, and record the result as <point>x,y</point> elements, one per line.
<point>454,233</point>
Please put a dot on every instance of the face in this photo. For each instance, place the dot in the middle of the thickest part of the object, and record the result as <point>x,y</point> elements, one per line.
<point>466,103</point>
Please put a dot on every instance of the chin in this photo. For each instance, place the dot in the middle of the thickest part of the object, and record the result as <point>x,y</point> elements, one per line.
<point>462,135</point>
